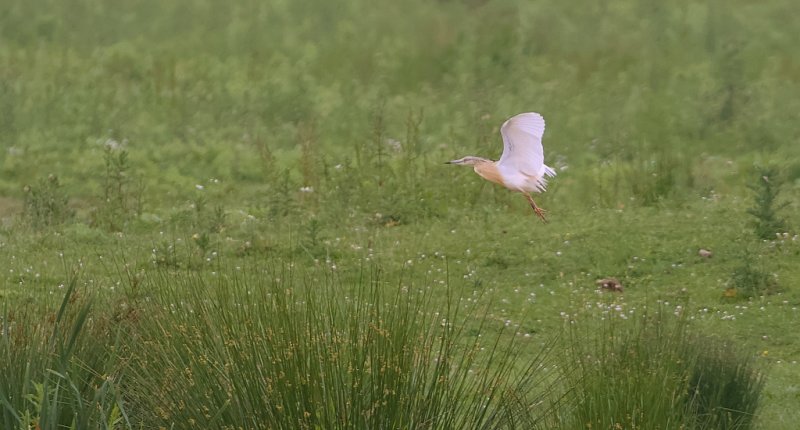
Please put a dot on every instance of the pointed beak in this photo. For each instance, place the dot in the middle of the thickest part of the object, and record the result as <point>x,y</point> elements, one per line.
<point>448,162</point>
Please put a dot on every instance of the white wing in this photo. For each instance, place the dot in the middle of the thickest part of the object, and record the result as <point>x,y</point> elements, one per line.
<point>522,145</point>
<point>522,163</point>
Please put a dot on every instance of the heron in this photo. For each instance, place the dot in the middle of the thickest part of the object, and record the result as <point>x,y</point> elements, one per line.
<point>521,168</point>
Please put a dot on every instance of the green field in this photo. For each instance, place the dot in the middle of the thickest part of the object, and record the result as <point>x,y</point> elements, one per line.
<point>236,215</point>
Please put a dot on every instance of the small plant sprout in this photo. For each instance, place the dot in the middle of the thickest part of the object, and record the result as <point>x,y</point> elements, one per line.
<point>767,222</point>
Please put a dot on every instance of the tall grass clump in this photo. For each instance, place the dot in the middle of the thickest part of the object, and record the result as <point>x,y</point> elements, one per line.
<point>56,371</point>
<point>271,347</point>
<point>653,372</point>
<point>725,385</point>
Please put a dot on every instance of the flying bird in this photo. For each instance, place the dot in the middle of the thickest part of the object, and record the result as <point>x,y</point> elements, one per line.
<point>521,168</point>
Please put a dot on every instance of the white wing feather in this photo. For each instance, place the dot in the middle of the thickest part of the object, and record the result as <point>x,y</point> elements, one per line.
<point>522,149</point>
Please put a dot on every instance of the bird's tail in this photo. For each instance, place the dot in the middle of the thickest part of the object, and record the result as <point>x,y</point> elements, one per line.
<point>541,181</point>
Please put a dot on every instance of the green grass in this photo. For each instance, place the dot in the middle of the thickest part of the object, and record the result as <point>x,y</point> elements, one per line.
<point>186,153</point>
<point>655,373</point>
<point>268,346</point>
<point>59,368</point>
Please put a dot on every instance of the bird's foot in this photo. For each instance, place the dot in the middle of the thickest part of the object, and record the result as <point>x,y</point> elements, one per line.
<point>540,213</point>
<point>536,209</point>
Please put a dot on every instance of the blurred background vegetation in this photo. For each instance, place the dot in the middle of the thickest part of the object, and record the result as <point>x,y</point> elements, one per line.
<point>199,90</point>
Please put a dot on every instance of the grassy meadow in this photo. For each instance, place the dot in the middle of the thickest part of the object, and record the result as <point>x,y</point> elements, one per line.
<point>236,215</point>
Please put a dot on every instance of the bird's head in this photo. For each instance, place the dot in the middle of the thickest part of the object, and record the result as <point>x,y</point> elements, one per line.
<point>468,160</point>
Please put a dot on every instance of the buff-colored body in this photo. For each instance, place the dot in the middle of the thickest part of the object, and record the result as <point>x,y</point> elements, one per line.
<point>487,169</point>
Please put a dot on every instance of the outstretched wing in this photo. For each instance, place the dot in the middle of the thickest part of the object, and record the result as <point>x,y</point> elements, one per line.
<point>522,144</point>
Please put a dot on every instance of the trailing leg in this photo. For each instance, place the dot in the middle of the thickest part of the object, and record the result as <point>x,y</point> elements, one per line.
<point>536,209</point>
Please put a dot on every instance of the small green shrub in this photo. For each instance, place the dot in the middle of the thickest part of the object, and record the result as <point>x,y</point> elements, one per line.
<point>123,194</point>
<point>206,224</point>
<point>748,280</point>
<point>280,199</point>
<point>312,241</point>
<point>653,179</point>
<point>46,204</point>
<point>765,208</point>
<point>165,254</point>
